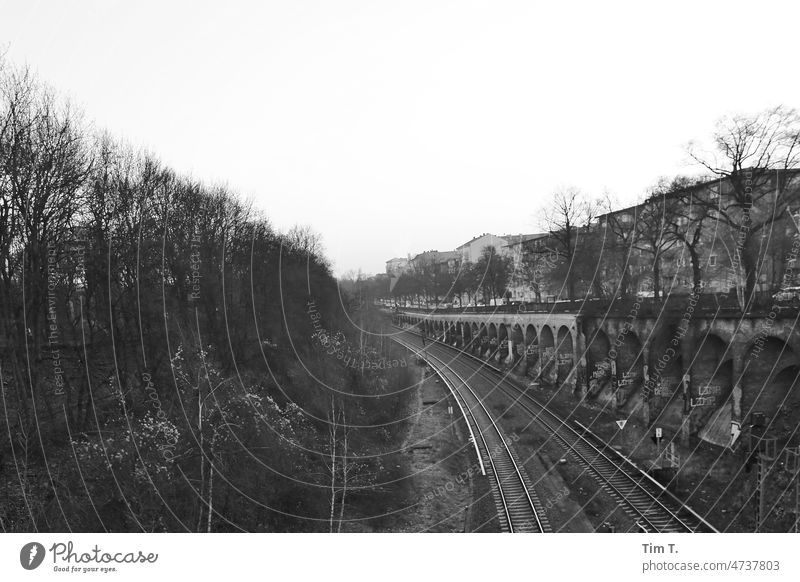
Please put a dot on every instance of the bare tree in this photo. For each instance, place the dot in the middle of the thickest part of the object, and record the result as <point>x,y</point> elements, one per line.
<point>492,273</point>
<point>534,266</point>
<point>655,238</point>
<point>750,153</point>
<point>101,248</point>
<point>687,214</point>
<point>426,272</point>
<point>337,462</point>
<point>44,164</point>
<point>303,239</point>
<point>620,235</point>
<point>570,214</point>
<point>462,282</point>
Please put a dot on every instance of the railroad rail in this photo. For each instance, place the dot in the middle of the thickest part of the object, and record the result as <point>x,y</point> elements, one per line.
<point>519,509</point>
<point>654,508</point>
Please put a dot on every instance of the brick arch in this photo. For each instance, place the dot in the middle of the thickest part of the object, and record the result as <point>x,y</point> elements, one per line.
<point>531,349</point>
<point>502,340</point>
<point>709,350</point>
<point>531,337</point>
<point>752,351</point>
<point>565,337</point>
<point>564,353</point>
<point>597,355</point>
<point>465,335</point>
<point>548,372</point>
<point>518,337</point>
<point>598,364</point>
<point>711,378</point>
<point>630,366</point>
<point>665,366</point>
<point>546,337</point>
<point>718,330</point>
<point>770,381</point>
<point>453,333</point>
<point>491,334</point>
<point>483,338</point>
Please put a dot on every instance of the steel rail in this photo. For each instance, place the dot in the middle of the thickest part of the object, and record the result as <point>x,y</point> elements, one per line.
<point>622,469</point>
<point>497,474</point>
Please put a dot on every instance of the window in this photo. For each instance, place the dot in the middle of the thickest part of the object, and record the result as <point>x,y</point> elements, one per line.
<point>712,261</point>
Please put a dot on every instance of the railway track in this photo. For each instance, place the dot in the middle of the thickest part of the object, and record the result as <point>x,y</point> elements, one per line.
<point>654,508</point>
<point>518,508</point>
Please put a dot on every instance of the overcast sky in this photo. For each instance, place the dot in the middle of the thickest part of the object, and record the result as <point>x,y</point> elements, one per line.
<point>396,127</point>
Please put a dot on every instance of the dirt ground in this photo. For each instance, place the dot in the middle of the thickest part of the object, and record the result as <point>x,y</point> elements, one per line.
<point>450,493</point>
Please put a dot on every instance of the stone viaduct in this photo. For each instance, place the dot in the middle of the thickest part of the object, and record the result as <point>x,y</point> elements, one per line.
<point>691,365</point>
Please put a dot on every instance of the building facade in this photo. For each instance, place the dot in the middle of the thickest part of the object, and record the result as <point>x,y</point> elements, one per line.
<point>471,250</point>
<point>396,267</point>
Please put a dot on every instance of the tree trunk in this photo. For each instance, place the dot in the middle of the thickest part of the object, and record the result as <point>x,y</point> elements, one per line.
<point>657,278</point>
<point>749,284</point>
<point>697,274</point>
<point>625,281</point>
<point>202,458</point>
<point>344,474</point>
<point>210,484</point>
<point>332,434</point>
<point>569,257</point>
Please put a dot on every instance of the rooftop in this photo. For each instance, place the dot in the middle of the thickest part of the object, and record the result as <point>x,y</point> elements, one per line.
<point>700,184</point>
<point>518,239</point>
<point>473,239</point>
<point>438,256</point>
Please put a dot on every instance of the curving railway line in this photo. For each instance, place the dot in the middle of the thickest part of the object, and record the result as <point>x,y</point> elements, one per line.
<point>653,507</point>
<point>518,507</point>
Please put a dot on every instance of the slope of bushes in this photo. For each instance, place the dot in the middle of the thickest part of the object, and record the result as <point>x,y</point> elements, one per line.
<point>160,368</point>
